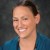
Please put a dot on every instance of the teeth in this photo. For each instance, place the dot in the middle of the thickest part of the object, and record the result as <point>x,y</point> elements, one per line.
<point>21,30</point>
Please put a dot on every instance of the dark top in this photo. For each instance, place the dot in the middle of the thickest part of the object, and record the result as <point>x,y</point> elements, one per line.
<point>0,48</point>
<point>42,43</point>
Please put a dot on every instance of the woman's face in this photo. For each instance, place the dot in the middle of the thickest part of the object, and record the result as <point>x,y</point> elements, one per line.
<point>24,22</point>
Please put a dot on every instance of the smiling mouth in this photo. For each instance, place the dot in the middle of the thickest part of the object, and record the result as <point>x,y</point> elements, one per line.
<point>22,30</point>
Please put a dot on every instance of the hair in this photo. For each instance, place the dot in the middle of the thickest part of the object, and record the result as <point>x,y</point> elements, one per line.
<point>27,3</point>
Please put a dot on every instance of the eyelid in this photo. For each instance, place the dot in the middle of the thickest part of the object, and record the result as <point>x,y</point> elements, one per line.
<point>25,18</point>
<point>15,20</point>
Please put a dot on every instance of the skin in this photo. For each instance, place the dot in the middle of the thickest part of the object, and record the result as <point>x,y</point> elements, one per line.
<point>24,23</point>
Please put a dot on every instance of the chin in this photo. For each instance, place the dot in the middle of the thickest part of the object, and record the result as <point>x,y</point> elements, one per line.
<point>22,37</point>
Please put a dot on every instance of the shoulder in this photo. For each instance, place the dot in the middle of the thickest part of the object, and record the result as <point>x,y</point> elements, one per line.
<point>44,42</point>
<point>44,38</point>
<point>11,44</point>
<point>0,48</point>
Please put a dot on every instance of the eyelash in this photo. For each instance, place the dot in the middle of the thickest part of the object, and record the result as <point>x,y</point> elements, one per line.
<point>25,19</point>
<point>15,20</point>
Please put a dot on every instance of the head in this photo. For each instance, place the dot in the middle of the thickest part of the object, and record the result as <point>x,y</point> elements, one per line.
<point>25,18</point>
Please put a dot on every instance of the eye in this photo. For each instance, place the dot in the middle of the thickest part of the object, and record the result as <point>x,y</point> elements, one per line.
<point>25,18</point>
<point>15,20</point>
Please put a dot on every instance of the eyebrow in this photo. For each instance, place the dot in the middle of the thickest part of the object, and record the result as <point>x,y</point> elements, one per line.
<point>21,17</point>
<point>14,18</point>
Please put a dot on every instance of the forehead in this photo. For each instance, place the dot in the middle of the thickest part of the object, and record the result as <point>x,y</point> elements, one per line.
<point>21,7</point>
<point>22,10</point>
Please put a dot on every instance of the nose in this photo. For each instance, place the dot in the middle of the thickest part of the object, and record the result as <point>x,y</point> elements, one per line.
<point>20,24</point>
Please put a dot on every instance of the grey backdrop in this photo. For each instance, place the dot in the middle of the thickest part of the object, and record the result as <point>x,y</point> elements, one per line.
<point>6,28</point>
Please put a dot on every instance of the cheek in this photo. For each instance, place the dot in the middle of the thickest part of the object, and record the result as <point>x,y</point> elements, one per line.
<point>30,23</point>
<point>26,23</point>
<point>14,24</point>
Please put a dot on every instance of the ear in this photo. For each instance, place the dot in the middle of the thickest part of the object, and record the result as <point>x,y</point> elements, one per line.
<point>37,18</point>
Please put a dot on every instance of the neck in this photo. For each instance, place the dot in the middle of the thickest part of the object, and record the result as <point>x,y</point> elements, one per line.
<point>29,41</point>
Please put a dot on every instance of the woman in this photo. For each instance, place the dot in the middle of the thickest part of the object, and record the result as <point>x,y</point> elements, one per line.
<point>25,19</point>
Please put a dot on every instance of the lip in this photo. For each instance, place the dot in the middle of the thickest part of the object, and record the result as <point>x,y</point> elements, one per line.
<point>22,30</point>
